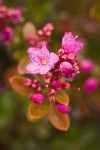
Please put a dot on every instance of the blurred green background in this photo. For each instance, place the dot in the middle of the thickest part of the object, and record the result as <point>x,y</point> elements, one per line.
<point>16,133</point>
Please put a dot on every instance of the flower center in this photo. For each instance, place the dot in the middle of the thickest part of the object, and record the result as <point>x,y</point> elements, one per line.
<point>44,61</point>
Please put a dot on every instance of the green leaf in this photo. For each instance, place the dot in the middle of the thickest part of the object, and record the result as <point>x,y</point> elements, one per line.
<point>58,120</point>
<point>17,83</point>
<point>37,111</point>
<point>95,11</point>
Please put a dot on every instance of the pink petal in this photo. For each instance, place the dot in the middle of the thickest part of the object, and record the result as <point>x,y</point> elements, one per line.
<point>32,52</point>
<point>69,35</point>
<point>44,50</point>
<point>79,46</point>
<point>44,69</point>
<point>32,68</point>
<point>53,58</point>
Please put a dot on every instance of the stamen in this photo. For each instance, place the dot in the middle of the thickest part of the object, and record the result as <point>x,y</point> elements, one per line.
<point>76,37</point>
<point>75,88</point>
<point>44,61</point>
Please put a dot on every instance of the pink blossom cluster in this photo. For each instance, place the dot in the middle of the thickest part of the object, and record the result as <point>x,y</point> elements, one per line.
<point>42,37</point>
<point>58,70</point>
<point>8,16</point>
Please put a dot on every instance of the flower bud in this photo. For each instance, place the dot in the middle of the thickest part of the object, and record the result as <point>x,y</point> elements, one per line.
<point>36,81</point>
<point>71,56</point>
<point>62,108</point>
<point>36,98</point>
<point>66,67</point>
<point>65,85</point>
<point>91,84</point>
<point>56,84</point>
<point>86,65</point>
<point>52,91</point>
<point>40,33</point>
<point>51,99</point>
<point>61,52</point>
<point>28,82</point>
<point>34,86</point>
<point>39,89</point>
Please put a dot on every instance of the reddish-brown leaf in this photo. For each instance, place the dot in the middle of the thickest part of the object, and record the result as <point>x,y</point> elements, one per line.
<point>22,65</point>
<point>11,71</point>
<point>62,97</point>
<point>17,83</point>
<point>29,29</point>
<point>58,120</point>
<point>37,111</point>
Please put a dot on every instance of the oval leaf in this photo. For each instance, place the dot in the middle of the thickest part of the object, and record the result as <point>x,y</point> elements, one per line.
<point>10,71</point>
<point>62,97</point>
<point>29,28</point>
<point>58,120</point>
<point>17,83</point>
<point>37,111</point>
<point>22,65</point>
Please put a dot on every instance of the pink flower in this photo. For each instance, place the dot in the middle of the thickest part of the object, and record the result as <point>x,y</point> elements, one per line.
<point>91,84</point>
<point>36,98</point>
<point>41,60</point>
<point>62,108</point>
<point>15,14</point>
<point>6,35</point>
<point>86,65</point>
<point>70,44</point>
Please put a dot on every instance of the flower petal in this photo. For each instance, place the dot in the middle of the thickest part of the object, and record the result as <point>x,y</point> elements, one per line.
<point>53,58</point>
<point>44,50</point>
<point>32,68</point>
<point>32,52</point>
<point>44,69</point>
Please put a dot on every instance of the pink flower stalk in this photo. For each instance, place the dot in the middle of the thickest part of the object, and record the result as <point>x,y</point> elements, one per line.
<point>70,44</point>
<point>87,65</point>
<point>15,14</point>
<point>91,84</point>
<point>58,69</point>
<point>7,35</point>
<point>62,108</point>
<point>56,84</point>
<point>41,60</point>
<point>36,98</point>
<point>28,82</point>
